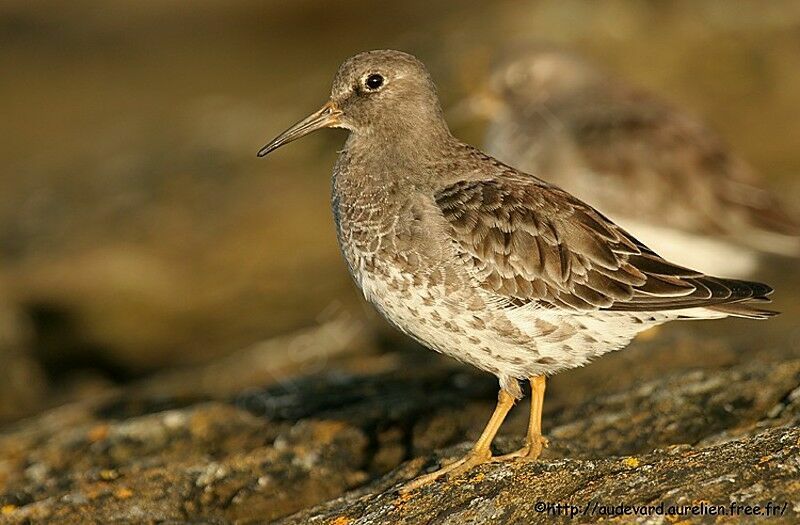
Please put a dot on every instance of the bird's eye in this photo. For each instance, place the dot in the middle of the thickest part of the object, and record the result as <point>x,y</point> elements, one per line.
<point>373,82</point>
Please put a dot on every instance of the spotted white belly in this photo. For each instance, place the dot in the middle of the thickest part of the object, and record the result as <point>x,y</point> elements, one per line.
<point>510,342</point>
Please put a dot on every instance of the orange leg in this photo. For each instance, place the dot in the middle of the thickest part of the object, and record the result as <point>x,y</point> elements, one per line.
<point>481,451</point>
<point>534,442</point>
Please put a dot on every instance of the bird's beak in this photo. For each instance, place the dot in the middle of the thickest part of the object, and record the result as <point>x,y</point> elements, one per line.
<point>326,117</point>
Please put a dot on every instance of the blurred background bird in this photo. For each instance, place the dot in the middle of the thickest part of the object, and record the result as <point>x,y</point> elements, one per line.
<point>654,168</point>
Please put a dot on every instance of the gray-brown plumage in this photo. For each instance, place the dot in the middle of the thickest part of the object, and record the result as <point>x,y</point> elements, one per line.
<point>480,261</point>
<point>652,168</point>
<point>574,257</point>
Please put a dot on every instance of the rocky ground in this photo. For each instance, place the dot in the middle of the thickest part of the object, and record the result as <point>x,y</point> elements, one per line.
<point>329,435</point>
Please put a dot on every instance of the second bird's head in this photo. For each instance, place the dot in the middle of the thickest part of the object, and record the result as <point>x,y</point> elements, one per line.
<point>376,92</point>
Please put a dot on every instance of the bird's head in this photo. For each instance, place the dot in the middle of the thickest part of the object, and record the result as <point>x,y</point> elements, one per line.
<point>385,93</point>
<point>542,74</point>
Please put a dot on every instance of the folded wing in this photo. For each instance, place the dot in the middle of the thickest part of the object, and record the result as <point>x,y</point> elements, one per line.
<point>528,242</point>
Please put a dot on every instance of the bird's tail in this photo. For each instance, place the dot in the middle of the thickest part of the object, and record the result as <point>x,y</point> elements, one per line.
<point>747,309</point>
<point>745,299</point>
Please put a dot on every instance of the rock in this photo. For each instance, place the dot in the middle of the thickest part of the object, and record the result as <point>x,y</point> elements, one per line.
<point>732,479</point>
<point>210,460</point>
<point>332,444</point>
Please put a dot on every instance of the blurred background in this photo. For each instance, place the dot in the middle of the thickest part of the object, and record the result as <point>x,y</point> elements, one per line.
<point>138,231</point>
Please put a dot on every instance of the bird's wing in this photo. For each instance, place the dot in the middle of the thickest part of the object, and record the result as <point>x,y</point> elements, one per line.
<point>528,242</point>
<point>639,139</point>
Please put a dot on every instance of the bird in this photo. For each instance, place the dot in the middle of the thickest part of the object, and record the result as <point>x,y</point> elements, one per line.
<point>482,262</point>
<point>653,168</point>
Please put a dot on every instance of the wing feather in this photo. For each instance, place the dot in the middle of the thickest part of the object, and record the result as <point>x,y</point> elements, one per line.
<point>532,243</point>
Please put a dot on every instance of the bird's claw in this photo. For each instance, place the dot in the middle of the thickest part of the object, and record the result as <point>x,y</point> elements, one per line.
<point>530,451</point>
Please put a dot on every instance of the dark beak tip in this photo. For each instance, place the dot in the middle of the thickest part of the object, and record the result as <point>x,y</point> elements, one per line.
<point>320,119</point>
<point>266,150</point>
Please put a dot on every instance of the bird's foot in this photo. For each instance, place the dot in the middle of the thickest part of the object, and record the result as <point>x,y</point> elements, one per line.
<point>530,452</point>
<point>458,467</point>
